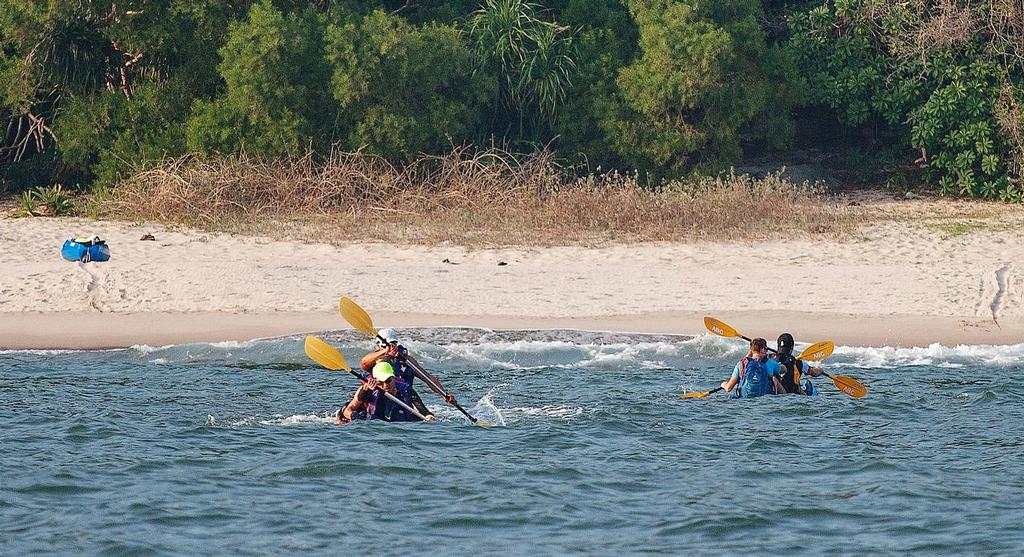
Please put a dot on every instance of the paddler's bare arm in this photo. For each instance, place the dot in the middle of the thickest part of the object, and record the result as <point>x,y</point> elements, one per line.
<point>368,361</point>
<point>357,404</point>
<point>728,384</point>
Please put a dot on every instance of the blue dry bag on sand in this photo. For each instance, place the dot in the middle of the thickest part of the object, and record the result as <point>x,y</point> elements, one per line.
<point>85,249</point>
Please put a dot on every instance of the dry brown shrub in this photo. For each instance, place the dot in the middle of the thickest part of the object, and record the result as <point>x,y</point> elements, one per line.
<point>928,26</point>
<point>1005,25</point>
<point>1010,116</point>
<point>468,197</point>
<point>931,26</point>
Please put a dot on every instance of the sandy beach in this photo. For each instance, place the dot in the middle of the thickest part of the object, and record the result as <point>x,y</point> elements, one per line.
<point>894,284</point>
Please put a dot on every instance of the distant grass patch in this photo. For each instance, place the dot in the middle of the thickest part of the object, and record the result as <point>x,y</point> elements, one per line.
<point>470,198</point>
<point>954,229</point>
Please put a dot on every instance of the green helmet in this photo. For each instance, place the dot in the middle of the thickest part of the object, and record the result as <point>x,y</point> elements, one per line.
<point>383,371</point>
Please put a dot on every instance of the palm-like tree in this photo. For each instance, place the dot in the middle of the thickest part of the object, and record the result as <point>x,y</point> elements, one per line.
<point>533,60</point>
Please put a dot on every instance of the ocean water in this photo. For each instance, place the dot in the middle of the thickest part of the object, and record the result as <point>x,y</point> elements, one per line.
<point>231,449</point>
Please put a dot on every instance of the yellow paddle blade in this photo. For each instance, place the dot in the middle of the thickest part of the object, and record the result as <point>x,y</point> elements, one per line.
<point>719,328</point>
<point>482,423</point>
<point>817,351</point>
<point>695,395</point>
<point>325,354</point>
<point>355,316</point>
<point>849,385</point>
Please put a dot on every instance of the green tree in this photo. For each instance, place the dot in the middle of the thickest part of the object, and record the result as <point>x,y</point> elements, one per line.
<point>274,72</point>
<point>606,41</point>
<point>939,77</point>
<point>51,50</point>
<point>403,89</point>
<point>705,75</point>
<point>533,61</point>
<point>70,69</point>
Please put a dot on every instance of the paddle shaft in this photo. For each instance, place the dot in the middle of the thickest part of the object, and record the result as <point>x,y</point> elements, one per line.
<point>393,398</point>
<point>700,394</point>
<point>770,349</point>
<point>715,390</point>
<point>436,386</point>
<point>814,352</point>
<point>774,351</point>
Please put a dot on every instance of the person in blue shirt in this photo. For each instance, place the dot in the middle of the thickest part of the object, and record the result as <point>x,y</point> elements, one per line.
<point>756,374</point>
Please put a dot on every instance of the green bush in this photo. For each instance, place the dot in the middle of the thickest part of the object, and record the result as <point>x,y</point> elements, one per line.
<point>605,42</point>
<point>932,79</point>
<point>705,73</point>
<point>55,199</point>
<point>28,204</point>
<point>403,89</point>
<point>272,65</point>
<point>533,61</point>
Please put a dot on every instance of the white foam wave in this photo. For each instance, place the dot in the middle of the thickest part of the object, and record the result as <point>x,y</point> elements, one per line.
<point>932,355</point>
<point>223,345</point>
<point>38,352</point>
<point>146,349</point>
<point>552,411</point>
<point>479,349</point>
<point>280,419</point>
<point>537,354</point>
<point>712,346</point>
<point>650,355</point>
<point>300,419</point>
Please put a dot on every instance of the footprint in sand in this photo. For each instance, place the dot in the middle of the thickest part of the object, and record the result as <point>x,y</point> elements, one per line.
<point>94,290</point>
<point>994,291</point>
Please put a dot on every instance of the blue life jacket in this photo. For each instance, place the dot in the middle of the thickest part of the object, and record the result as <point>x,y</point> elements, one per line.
<point>755,379</point>
<point>403,369</point>
<point>380,407</point>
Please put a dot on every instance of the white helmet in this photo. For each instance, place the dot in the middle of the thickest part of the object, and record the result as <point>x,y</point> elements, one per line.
<point>389,335</point>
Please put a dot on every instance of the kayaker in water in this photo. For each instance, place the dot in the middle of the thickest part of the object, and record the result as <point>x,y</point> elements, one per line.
<point>370,402</point>
<point>756,374</point>
<point>388,350</point>
<point>795,372</point>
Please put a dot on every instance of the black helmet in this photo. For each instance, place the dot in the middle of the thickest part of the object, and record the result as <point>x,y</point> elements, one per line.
<point>785,344</point>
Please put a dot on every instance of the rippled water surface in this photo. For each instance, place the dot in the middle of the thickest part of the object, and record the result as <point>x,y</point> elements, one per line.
<point>230,449</point>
